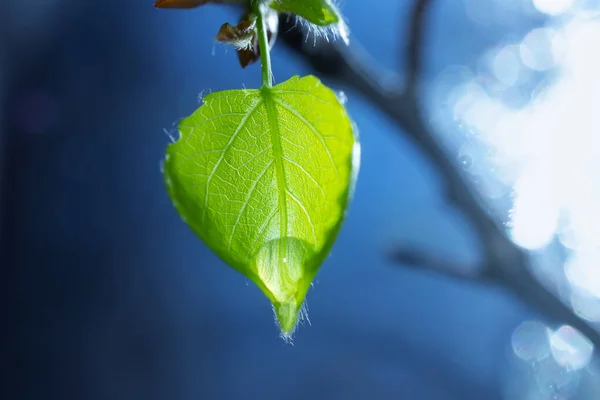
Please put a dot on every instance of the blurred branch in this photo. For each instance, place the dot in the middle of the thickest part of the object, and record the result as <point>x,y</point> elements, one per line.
<point>505,264</point>
<point>411,257</point>
<point>414,45</point>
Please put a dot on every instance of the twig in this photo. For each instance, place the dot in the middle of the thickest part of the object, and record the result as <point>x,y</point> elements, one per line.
<point>414,45</point>
<point>505,264</point>
<point>411,257</point>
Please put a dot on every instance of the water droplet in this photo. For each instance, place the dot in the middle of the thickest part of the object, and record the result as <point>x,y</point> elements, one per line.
<point>465,161</point>
<point>285,278</point>
<point>342,98</point>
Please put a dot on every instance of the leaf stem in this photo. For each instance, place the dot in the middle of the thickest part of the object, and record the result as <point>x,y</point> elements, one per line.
<point>263,45</point>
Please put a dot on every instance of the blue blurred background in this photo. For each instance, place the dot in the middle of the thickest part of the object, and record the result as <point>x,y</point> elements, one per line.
<point>111,296</point>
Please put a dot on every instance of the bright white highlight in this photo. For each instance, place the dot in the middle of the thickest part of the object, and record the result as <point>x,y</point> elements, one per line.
<point>553,7</point>
<point>546,152</point>
<point>529,115</point>
<point>549,150</point>
<point>536,209</point>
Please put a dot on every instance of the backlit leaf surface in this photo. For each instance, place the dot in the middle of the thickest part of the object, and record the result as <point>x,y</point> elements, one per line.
<point>319,12</point>
<point>264,178</point>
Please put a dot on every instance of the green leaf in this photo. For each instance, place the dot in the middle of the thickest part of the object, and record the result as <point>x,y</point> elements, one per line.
<point>319,12</point>
<point>264,178</point>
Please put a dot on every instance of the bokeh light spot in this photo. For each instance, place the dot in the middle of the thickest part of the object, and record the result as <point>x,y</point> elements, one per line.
<point>537,49</point>
<point>586,306</point>
<point>581,270</point>
<point>506,65</point>
<point>570,348</point>
<point>530,341</point>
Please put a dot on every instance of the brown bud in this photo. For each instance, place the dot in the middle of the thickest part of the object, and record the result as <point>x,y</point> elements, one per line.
<point>248,56</point>
<point>244,38</point>
<point>239,36</point>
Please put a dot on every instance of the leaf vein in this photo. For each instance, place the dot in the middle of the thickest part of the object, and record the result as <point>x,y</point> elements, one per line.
<point>247,201</point>
<point>309,219</point>
<point>302,92</point>
<point>227,147</point>
<point>301,168</point>
<point>261,231</point>
<point>311,127</point>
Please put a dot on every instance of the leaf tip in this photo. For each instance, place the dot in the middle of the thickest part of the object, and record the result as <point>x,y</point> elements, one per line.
<point>283,276</point>
<point>287,314</point>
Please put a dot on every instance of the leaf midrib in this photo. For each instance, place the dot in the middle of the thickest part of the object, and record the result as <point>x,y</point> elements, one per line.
<point>269,102</point>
